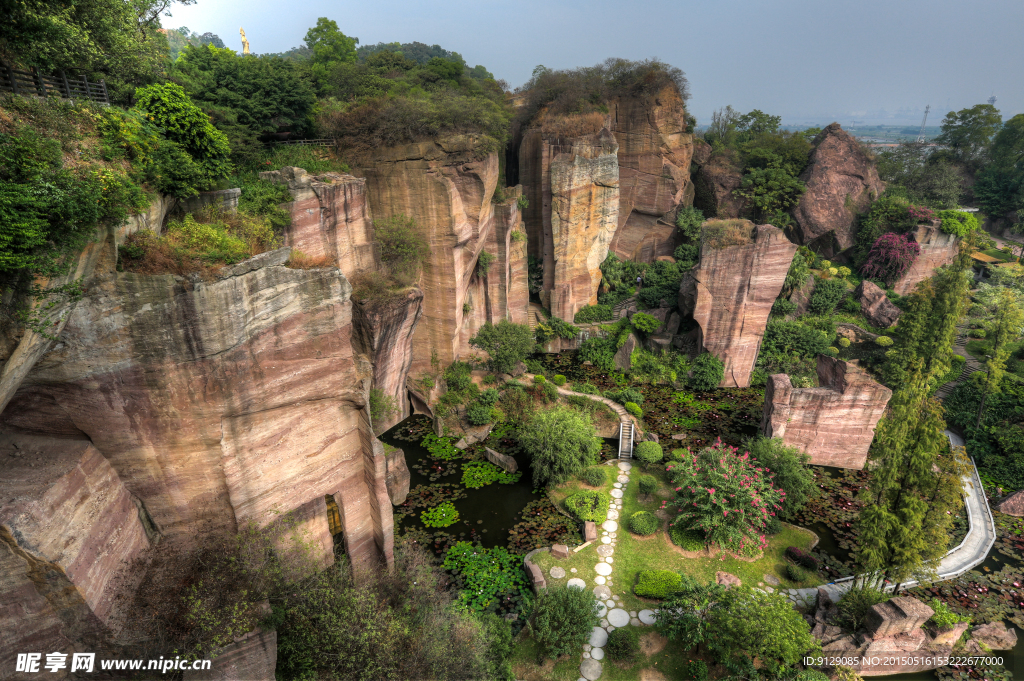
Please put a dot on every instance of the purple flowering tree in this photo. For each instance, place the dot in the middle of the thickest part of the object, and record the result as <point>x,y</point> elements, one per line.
<point>890,257</point>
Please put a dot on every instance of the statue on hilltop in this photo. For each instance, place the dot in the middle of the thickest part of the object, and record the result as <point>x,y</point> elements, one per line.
<point>245,41</point>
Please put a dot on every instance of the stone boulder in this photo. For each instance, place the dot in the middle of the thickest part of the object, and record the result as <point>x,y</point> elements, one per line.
<point>835,423</point>
<point>733,289</point>
<point>1013,504</point>
<point>898,615</point>
<point>397,475</point>
<point>253,657</point>
<point>715,184</point>
<point>560,551</point>
<point>995,636</point>
<point>842,181</point>
<point>536,577</point>
<point>855,334</point>
<point>589,531</point>
<point>951,635</point>
<point>875,306</point>
<point>727,580</point>
<point>937,249</point>
<point>507,463</point>
<point>801,296</point>
<point>623,354</point>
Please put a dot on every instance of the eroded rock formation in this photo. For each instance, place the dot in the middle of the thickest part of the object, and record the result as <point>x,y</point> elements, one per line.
<point>731,292</point>
<point>841,182</point>
<point>834,423</point>
<point>937,249</point>
<point>875,306</point>
<point>717,178</point>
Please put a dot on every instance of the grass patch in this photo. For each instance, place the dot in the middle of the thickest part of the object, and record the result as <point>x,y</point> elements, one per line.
<point>724,233</point>
<point>1002,255</point>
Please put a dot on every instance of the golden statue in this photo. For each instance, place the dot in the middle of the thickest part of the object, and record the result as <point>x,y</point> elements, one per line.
<point>245,42</point>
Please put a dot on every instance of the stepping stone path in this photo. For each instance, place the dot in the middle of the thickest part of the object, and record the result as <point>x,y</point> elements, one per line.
<point>558,572</point>
<point>610,525</point>
<point>647,616</point>
<point>605,551</point>
<point>618,618</point>
<point>772,580</point>
<point>623,479</point>
<point>577,582</point>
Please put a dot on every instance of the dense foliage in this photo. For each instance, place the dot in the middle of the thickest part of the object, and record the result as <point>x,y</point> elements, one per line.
<point>890,257</point>
<point>725,496</point>
<point>707,373</point>
<point>563,619</point>
<point>789,471</point>
<point>561,443</point>
<point>506,343</point>
<point>656,583</point>
<point>485,575</point>
<point>588,505</point>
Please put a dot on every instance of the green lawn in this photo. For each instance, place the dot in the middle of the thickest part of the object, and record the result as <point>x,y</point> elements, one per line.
<point>633,554</point>
<point>1002,255</point>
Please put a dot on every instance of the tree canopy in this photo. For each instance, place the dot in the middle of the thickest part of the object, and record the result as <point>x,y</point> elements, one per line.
<point>561,442</point>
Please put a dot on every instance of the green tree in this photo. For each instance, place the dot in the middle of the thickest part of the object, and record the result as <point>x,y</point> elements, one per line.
<point>505,342</point>
<point>749,623</point>
<point>403,247</point>
<point>707,373</point>
<point>561,442</point>
<point>1005,331</point>
<point>771,190</point>
<point>1000,186</point>
<point>686,615</point>
<point>689,220</point>
<point>722,131</point>
<point>329,44</point>
<point>563,619</point>
<point>968,133</point>
<point>758,122</point>
<point>789,467</point>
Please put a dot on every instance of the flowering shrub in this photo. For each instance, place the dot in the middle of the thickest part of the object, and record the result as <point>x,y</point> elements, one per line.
<point>440,516</point>
<point>725,496</point>
<point>920,213</point>
<point>890,257</point>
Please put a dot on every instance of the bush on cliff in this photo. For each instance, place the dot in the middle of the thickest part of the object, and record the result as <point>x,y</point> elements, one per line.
<point>506,343</point>
<point>403,247</point>
<point>561,443</point>
<point>827,294</point>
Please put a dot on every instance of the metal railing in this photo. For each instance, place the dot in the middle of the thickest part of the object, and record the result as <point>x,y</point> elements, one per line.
<point>61,84</point>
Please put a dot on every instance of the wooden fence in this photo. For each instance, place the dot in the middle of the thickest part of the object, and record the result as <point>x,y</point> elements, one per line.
<point>61,84</point>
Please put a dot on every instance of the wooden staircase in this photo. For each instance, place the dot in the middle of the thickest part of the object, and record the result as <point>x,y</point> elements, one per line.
<point>626,440</point>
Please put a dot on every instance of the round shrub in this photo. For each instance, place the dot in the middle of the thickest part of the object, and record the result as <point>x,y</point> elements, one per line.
<point>688,540</point>
<point>558,379</point>
<point>707,372</point>
<point>563,618</point>
<point>623,644</point>
<point>976,333</point>
<point>634,409</point>
<point>676,455</point>
<point>774,526</point>
<point>479,413</point>
<point>697,670</point>
<point>796,573</point>
<point>649,453</point>
<point>844,342</point>
<point>845,272</point>
<point>588,505</point>
<point>647,484</point>
<point>539,380</point>
<point>645,323</point>
<point>657,583</point>
<point>595,476</point>
<point>801,557</point>
<point>833,351</point>
<point>643,523</point>
<point>883,341</point>
<point>550,392</point>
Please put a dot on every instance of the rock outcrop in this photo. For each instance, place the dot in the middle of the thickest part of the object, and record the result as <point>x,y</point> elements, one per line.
<point>937,249</point>
<point>1013,504</point>
<point>841,182</point>
<point>834,423</point>
<point>398,476</point>
<point>995,636</point>
<point>717,178</point>
<point>503,461</point>
<point>253,658</point>
<point>875,306</point>
<point>731,292</point>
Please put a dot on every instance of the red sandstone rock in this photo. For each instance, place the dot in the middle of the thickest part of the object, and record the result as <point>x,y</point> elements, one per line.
<point>252,658</point>
<point>833,424</point>
<point>716,183</point>
<point>536,577</point>
<point>875,306</point>
<point>1013,504</point>
<point>995,635</point>
<point>937,249</point>
<point>506,463</point>
<point>589,531</point>
<point>623,354</point>
<point>560,551</point>
<point>801,296</point>
<point>841,182</point>
<point>734,289</point>
<point>398,475</point>
<point>899,615</point>
<point>727,580</point>
<point>951,635</point>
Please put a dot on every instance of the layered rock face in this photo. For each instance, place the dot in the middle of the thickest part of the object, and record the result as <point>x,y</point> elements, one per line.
<point>616,189</point>
<point>718,176</point>
<point>841,182</point>
<point>654,157</point>
<point>835,423</point>
<point>875,306</point>
<point>731,293</point>
<point>937,249</point>
<point>330,217</point>
<point>446,186</point>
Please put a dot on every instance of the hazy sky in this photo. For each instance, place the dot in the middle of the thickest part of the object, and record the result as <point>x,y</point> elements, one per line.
<point>803,59</point>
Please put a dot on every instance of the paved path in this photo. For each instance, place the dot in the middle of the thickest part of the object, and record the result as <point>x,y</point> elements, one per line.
<point>972,551</point>
<point>624,416</point>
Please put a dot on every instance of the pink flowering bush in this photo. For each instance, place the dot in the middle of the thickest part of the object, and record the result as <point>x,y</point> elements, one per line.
<point>890,257</point>
<point>726,497</point>
<point>920,213</point>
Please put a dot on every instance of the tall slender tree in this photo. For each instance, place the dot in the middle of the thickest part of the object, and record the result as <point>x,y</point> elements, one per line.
<point>1006,329</point>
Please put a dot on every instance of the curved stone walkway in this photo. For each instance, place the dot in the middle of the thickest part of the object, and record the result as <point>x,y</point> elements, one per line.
<point>620,411</point>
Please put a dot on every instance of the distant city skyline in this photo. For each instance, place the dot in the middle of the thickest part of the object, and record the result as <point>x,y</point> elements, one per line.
<point>869,60</point>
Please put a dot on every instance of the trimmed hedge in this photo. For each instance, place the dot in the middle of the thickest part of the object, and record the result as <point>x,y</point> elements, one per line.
<point>657,583</point>
<point>688,540</point>
<point>796,573</point>
<point>802,558</point>
<point>588,505</point>
<point>634,409</point>
<point>643,523</point>
<point>647,484</point>
<point>623,644</point>
<point>558,379</point>
<point>649,453</point>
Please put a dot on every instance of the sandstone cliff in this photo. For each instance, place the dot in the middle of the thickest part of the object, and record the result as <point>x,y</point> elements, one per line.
<point>718,175</point>
<point>172,406</point>
<point>616,188</point>
<point>841,182</point>
<point>731,292</point>
<point>835,423</point>
<point>937,249</point>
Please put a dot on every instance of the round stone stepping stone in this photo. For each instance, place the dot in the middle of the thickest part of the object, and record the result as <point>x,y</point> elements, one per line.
<point>558,572</point>
<point>586,656</point>
<point>609,560</point>
<point>603,569</point>
<point>577,583</point>
<point>632,613</point>
<point>623,479</point>
<point>617,485</point>
<point>602,612</point>
<point>591,670</point>
<point>625,465</point>
<point>610,525</point>
<point>598,637</point>
<point>612,535</point>
<point>606,540</point>
<point>572,570</point>
<point>597,653</point>
<point>616,493</point>
<point>587,647</point>
<point>599,580</point>
<point>604,593</point>
<point>634,622</point>
<point>646,616</point>
<point>771,580</point>
<point>618,617</point>
<point>610,603</point>
<point>605,551</point>
<point>613,514</point>
<point>604,623</point>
